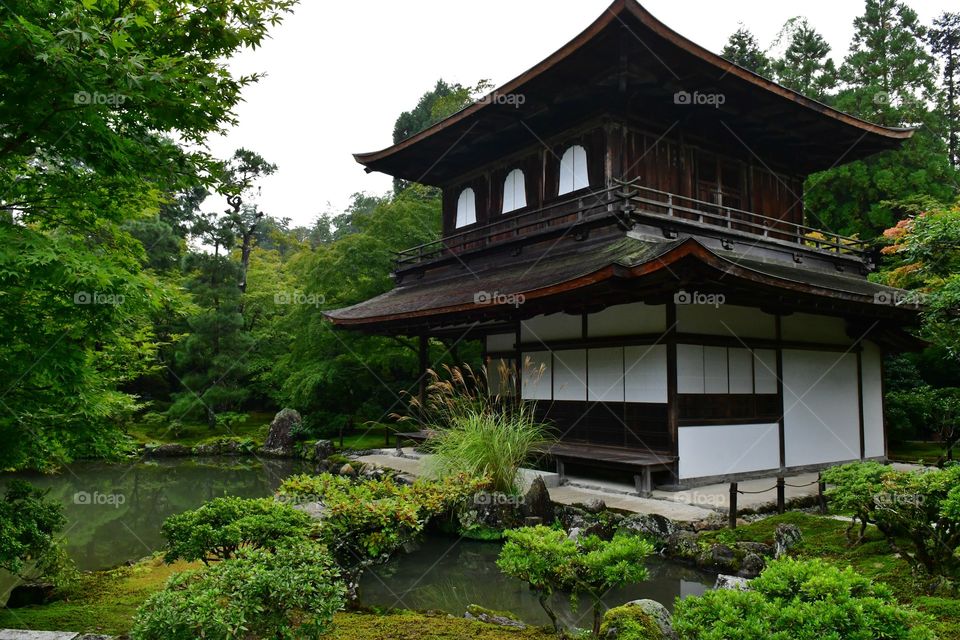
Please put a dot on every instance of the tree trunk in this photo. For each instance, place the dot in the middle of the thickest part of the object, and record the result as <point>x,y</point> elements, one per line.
<point>542,599</point>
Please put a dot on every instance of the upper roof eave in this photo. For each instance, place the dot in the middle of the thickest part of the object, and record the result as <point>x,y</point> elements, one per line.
<point>615,12</point>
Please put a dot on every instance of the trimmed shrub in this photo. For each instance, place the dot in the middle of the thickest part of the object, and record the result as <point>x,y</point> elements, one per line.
<point>287,593</point>
<point>220,528</point>
<point>367,521</point>
<point>800,600</point>
<point>918,512</point>
<point>550,562</point>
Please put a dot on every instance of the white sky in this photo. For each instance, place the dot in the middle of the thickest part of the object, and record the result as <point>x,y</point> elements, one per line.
<point>339,72</point>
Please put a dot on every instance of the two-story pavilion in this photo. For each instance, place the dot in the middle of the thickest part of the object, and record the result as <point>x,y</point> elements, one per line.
<point>627,215</point>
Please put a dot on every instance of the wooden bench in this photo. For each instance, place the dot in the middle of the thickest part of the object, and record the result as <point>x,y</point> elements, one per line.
<point>418,437</point>
<point>642,463</point>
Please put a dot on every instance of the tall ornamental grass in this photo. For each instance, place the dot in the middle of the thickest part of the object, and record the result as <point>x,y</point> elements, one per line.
<point>479,428</point>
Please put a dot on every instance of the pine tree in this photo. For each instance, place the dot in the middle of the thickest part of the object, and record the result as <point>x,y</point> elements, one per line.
<point>742,49</point>
<point>888,74</point>
<point>805,64</point>
<point>945,42</point>
<point>888,78</point>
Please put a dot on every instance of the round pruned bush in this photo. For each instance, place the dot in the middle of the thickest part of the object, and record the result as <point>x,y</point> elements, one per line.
<point>290,592</point>
<point>800,600</point>
<point>550,561</point>
<point>218,529</point>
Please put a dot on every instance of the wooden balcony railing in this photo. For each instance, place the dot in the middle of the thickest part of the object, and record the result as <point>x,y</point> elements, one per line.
<point>644,201</point>
<point>628,200</point>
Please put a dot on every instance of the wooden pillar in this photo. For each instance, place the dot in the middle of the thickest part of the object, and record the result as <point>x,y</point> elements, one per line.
<point>673,415</point>
<point>863,444</point>
<point>780,421</point>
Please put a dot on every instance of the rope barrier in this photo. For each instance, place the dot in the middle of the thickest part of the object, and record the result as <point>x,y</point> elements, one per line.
<point>786,484</point>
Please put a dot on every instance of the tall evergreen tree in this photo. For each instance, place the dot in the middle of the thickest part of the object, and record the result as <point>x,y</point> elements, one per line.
<point>742,49</point>
<point>888,75</point>
<point>805,64</point>
<point>945,42</point>
<point>888,78</point>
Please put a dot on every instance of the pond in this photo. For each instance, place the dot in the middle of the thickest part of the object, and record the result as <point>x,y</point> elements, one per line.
<point>114,513</point>
<point>448,574</point>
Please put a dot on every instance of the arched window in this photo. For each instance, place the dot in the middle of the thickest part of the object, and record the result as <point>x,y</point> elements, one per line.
<point>573,169</point>
<point>466,208</point>
<point>514,191</point>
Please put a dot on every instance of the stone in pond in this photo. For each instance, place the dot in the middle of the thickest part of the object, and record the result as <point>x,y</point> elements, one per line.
<point>650,524</point>
<point>281,435</point>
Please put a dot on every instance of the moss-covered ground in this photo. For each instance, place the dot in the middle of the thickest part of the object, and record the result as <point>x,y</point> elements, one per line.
<point>825,537</point>
<point>105,602</point>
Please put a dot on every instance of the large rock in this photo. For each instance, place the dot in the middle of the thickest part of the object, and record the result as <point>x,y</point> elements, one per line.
<point>322,449</point>
<point>751,566</point>
<point>785,536</point>
<point>28,594</point>
<point>649,524</point>
<point>537,503</point>
<point>487,515</point>
<point>682,545</point>
<point>281,435</point>
<point>499,618</point>
<point>639,619</point>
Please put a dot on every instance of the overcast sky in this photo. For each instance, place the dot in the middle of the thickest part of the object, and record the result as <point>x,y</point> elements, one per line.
<point>339,72</point>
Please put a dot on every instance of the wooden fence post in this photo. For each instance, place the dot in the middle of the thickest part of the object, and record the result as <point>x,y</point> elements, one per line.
<point>781,495</point>
<point>733,505</point>
<point>821,495</point>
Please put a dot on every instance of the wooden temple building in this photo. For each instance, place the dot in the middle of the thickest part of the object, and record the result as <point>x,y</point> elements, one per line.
<point>627,216</point>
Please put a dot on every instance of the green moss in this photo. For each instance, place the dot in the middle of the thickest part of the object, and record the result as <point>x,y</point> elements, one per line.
<point>101,602</point>
<point>631,623</point>
<point>106,601</point>
<point>418,626</point>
